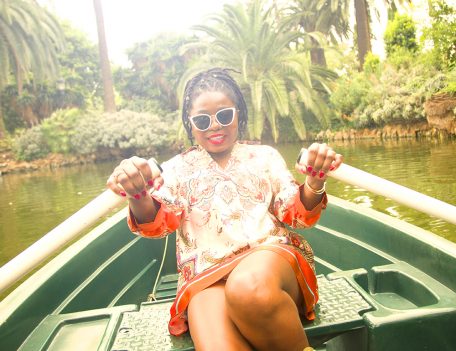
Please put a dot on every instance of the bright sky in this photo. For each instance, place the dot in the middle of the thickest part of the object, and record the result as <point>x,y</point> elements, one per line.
<point>128,22</point>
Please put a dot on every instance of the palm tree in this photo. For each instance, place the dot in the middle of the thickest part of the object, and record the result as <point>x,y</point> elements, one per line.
<point>330,18</point>
<point>30,39</point>
<point>106,74</point>
<point>277,81</point>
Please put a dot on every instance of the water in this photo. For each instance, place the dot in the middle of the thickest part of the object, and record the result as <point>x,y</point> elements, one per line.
<point>34,203</point>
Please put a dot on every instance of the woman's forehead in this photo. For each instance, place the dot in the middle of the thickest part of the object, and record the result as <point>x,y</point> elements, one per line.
<point>212,99</point>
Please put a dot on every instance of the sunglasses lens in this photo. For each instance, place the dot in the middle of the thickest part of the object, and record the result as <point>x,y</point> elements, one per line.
<point>225,117</point>
<point>201,122</point>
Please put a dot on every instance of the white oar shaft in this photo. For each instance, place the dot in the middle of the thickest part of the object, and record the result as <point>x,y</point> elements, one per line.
<point>58,237</point>
<point>396,192</point>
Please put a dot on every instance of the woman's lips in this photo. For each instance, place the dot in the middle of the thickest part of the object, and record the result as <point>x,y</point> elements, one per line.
<point>216,139</point>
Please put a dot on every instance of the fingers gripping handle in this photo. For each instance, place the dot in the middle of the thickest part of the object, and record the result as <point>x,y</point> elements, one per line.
<point>153,161</point>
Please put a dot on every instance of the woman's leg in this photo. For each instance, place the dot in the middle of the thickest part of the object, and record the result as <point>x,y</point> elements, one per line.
<point>209,324</point>
<point>262,294</point>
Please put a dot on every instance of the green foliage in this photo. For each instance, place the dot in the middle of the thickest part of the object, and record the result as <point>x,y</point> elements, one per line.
<point>60,128</point>
<point>79,73</point>
<point>371,64</point>
<point>158,64</point>
<point>11,116</point>
<point>450,80</point>
<point>76,132</point>
<point>31,144</point>
<point>80,70</point>
<point>402,58</point>
<point>142,105</point>
<point>442,33</point>
<point>30,39</point>
<point>351,94</point>
<point>127,131</point>
<point>395,95</point>
<point>400,33</point>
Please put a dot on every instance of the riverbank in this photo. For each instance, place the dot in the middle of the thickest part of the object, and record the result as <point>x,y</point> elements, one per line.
<point>440,124</point>
<point>420,130</point>
<point>8,164</point>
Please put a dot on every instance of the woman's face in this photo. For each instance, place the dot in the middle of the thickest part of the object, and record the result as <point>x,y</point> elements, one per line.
<point>218,140</point>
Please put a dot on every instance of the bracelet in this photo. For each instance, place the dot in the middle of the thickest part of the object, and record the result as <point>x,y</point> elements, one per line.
<point>312,190</point>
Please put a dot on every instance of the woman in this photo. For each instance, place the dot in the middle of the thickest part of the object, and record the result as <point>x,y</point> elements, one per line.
<point>244,277</point>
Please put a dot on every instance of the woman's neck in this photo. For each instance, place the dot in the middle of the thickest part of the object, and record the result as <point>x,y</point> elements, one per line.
<point>222,158</point>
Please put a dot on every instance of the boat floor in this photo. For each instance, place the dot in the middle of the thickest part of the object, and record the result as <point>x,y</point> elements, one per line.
<point>145,327</point>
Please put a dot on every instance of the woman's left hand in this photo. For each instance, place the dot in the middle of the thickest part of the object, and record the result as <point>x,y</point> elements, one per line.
<point>319,161</point>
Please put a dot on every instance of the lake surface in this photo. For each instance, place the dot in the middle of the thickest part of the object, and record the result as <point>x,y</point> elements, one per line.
<point>34,203</point>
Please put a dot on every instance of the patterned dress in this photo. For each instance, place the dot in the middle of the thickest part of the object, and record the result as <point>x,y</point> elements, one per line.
<point>223,214</point>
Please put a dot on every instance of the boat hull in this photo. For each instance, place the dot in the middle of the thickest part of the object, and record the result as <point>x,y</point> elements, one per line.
<point>405,275</point>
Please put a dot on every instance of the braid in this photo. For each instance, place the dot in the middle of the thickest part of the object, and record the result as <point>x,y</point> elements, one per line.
<point>215,79</point>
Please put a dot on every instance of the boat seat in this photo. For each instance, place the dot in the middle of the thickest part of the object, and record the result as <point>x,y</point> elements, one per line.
<point>338,310</point>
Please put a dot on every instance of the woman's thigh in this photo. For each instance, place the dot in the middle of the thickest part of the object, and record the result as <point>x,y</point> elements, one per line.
<point>209,324</point>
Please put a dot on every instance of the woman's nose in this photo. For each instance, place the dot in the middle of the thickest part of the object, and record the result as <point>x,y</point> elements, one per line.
<point>215,125</point>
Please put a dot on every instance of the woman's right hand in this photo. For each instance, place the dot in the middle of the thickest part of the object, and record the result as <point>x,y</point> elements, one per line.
<point>133,178</point>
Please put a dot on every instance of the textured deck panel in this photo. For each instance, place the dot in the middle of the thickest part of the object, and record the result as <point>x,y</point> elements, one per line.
<point>147,329</point>
<point>339,309</point>
<point>339,301</point>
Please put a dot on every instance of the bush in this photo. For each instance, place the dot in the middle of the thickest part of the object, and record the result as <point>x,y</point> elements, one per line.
<point>350,94</point>
<point>400,33</point>
<point>69,131</point>
<point>60,128</point>
<point>371,64</point>
<point>402,59</point>
<point>396,95</point>
<point>31,144</point>
<point>127,131</point>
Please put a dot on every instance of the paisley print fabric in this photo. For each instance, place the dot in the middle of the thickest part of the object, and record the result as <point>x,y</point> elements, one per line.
<point>220,212</point>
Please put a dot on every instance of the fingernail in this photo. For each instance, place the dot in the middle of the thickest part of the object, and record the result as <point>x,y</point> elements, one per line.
<point>158,186</point>
<point>301,170</point>
<point>321,174</point>
<point>122,193</point>
<point>314,173</point>
<point>144,193</point>
<point>332,168</point>
<point>137,196</point>
<point>150,182</point>
<point>309,169</point>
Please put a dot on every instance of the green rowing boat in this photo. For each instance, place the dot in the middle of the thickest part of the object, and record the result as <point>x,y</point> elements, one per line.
<point>384,285</point>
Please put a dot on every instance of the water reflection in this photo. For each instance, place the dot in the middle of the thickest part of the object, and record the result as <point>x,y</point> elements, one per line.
<point>34,203</point>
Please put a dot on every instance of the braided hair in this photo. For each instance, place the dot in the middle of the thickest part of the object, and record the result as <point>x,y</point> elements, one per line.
<point>215,79</point>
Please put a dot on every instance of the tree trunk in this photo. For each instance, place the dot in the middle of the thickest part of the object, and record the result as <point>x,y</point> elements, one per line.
<point>317,57</point>
<point>362,30</point>
<point>106,75</point>
<point>3,131</point>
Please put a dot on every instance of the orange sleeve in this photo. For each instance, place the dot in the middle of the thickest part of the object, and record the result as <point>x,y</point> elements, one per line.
<point>165,223</point>
<point>297,216</point>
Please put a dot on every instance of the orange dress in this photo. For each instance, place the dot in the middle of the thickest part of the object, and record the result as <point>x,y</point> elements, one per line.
<point>223,214</point>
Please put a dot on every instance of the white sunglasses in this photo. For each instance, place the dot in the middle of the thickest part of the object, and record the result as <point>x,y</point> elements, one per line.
<point>203,121</point>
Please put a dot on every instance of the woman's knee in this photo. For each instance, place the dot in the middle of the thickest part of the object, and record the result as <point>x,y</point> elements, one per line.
<point>252,294</point>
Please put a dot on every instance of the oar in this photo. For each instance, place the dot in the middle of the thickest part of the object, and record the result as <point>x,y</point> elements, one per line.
<point>39,251</point>
<point>58,237</point>
<point>107,201</point>
<point>396,192</point>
